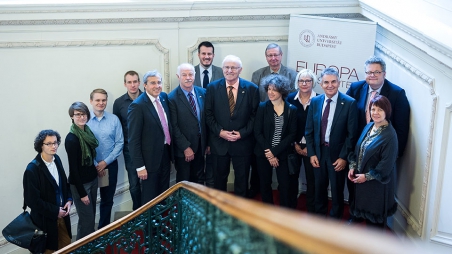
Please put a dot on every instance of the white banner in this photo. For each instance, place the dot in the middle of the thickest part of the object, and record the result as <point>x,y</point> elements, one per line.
<point>317,43</point>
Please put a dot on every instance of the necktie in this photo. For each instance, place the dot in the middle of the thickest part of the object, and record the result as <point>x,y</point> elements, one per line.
<point>205,81</point>
<point>163,121</point>
<point>372,95</point>
<point>192,104</point>
<point>231,100</point>
<point>325,115</point>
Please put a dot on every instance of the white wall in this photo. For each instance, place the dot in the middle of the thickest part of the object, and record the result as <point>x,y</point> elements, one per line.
<point>52,55</point>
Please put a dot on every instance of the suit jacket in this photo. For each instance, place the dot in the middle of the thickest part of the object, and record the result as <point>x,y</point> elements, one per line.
<point>184,123</point>
<point>146,136</point>
<point>400,117</point>
<point>264,128</point>
<point>343,129</point>
<point>40,194</point>
<point>265,71</point>
<point>217,73</point>
<point>218,117</point>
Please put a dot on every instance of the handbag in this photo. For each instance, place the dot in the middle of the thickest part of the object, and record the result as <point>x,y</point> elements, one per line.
<point>294,162</point>
<point>23,233</point>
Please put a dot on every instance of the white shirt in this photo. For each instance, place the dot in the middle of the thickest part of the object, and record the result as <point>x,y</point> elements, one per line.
<point>333,104</point>
<point>201,73</point>
<point>51,166</point>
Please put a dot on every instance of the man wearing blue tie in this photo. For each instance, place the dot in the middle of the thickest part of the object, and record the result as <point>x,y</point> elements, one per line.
<point>186,103</point>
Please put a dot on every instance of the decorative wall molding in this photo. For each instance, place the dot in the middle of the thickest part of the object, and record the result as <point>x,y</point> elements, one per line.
<point>194,48</point>
<point>436,236</point>
<point>417,35</point>
<point>98,43</point>
<point>429,82</point>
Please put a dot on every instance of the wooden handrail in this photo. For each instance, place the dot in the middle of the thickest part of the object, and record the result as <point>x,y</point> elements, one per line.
<point>302,231</point>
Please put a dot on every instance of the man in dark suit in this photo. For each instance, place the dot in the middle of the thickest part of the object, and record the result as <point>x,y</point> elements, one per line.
<point>376,84</point>
<point>206,72</point>
<point>331,131</point>
<point>186,103</point>
<point>231,104</point>
<point>149,137</point>
<point>273,54</point>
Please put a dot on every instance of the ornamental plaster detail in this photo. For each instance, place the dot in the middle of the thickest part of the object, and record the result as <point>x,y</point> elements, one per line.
<point>429,82</point>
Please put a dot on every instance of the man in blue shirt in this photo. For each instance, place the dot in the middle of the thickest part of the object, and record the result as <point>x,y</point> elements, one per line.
<point>108,131</point>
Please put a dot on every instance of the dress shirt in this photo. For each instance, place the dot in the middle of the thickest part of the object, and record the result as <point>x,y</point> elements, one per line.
<point>274,72</point>
<point>157,110</point>
<point>235,90</point>
<point>108,131</point>
<point>333,104</point>
<point>51,166</point>
<point>201,74</point>
<point>369,91</point>
<point>195,99</point>
<point>313,94</point>
<point>120,108</point>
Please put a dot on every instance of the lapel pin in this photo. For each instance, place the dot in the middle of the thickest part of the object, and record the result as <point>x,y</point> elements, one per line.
<point>243,91</point>
<point>342,103</point>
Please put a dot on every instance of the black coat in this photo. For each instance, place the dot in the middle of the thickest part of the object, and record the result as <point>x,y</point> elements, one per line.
<point>264,128</point>
<point>40,194</point>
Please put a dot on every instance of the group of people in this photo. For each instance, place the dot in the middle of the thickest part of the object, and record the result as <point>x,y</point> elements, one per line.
<point>215,117</point>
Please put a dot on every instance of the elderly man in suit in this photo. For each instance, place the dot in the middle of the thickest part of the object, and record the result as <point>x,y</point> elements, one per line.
<point>376,84</point>
<point>149,137</point>
<point>206,72</point>
<point>186,103</point>
<point>273,54</point>
<point>231,104</point>
<point>331,131</point>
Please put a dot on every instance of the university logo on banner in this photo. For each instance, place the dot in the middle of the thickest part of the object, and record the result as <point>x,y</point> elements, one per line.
<point>317,43</point>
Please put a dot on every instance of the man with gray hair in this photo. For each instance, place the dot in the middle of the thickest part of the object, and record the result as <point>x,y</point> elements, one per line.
<point>231,104</point>
<point>186,103</point>
<point>148,120</point>
<point>331,132</point>
<point>273,54</point>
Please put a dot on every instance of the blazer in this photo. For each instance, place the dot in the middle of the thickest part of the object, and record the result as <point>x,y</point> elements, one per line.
<point>146,136</point>
<point>375,198</point>
<point>302,115</point>
<point>217,73</point>
<point>265,71</point>
<point>264,128</point>
<point>184,123</point>
<point>40,194</point>
<point>218,117</point>
<point>400,116</point>
<point>343,129</point>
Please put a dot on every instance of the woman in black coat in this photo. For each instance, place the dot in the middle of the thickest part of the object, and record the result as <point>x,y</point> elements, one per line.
<point>305,81</point>
<point>47,192</point>
<point>372,167</point>
<point>275,127</point>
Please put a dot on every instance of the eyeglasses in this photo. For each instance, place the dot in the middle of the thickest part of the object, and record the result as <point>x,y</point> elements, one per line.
<point>273,55</point>
<point>308,81</point>
<point>232,68</point>
<point>78,115</point>
<point>52,144</point>
<point>375,73</point>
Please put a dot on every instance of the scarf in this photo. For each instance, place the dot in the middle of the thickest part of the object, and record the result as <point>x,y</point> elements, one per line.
<point>88,143</point>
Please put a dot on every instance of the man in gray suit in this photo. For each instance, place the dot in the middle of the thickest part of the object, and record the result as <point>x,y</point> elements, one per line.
<point>206,72</point>
<point>186,103</point>
<point>273,54</point>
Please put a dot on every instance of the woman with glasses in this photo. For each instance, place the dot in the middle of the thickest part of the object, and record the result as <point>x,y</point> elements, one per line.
<point>275,128</point>
<point>372,167</point>
<point>305,81</point>
<point>47,193</point>
<point>81,146</point>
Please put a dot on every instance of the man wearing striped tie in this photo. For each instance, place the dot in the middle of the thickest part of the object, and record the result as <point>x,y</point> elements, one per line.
<point>231,104</point>
<point>186,103</point>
